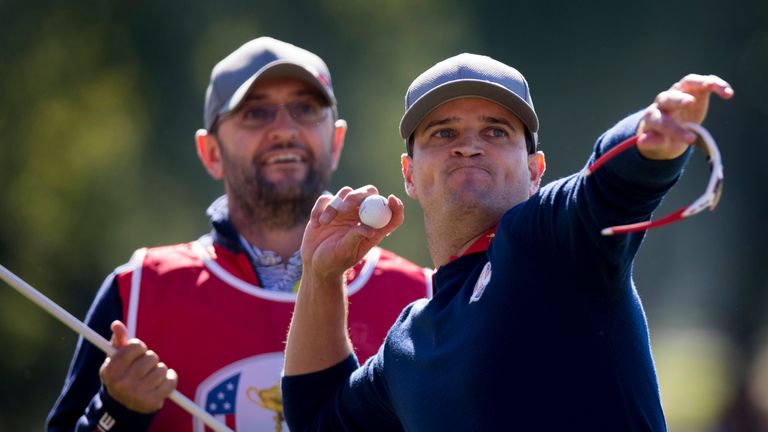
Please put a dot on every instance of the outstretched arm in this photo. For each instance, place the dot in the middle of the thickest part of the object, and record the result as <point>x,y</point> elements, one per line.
<point>634,182</point>
<point>629,187</point>
<point>334,241</point>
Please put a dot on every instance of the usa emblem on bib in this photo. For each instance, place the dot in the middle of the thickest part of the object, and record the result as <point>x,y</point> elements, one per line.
<point>245,395</point>
<point>482,282</point>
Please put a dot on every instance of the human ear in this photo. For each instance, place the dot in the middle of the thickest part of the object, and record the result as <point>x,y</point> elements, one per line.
<point>209,153</point>
<point>407,165</point>
<point>339,132</point>
<point>536,167</point>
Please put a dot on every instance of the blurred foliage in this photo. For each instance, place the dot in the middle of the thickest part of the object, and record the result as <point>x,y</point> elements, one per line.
<point>99,102</point>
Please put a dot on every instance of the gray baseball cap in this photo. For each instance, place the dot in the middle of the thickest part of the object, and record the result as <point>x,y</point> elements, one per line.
<point>264,57</point>
<point>469,75</point>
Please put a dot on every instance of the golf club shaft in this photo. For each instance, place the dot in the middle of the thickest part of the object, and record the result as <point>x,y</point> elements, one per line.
<point>88,333</point>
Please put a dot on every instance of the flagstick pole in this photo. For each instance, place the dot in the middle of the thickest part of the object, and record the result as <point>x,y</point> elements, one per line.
<point>88,333</point>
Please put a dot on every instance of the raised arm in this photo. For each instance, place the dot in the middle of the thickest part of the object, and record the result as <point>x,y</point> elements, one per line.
<point>629,187</point>
<point>633,183</point>
<point>334,241</point>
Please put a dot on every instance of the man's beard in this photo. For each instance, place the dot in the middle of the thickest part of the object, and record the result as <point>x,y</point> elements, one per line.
<point>275,205</point>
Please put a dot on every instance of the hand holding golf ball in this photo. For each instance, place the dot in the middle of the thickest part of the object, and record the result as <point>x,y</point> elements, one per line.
<point>375,211</point>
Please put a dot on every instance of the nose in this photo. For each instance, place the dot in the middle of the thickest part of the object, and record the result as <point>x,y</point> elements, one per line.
<point>467,147</point>
<point>284,127</point>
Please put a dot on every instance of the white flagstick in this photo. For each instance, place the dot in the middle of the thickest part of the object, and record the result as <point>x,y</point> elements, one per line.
<point>88,333</point>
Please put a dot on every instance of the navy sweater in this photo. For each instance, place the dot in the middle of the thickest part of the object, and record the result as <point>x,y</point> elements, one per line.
<point>556,341</point>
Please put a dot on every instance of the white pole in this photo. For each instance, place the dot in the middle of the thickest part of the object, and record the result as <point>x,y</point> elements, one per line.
<point>88,333</point>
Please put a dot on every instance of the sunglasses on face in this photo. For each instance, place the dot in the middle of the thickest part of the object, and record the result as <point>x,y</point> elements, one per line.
<point>305,111</point>
<point>708,200</point>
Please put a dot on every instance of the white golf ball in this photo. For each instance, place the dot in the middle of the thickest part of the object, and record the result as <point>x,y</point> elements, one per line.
<point>375,212</point>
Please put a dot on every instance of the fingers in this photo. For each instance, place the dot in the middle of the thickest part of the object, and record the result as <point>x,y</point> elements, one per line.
<point>135,377</point>
<point>694,83</point>
<point>398,214</point>
<point>128,353</point>
<point>697,87</point>
<point>142,366</point>
<point>160,381</point>
<point>119,334</point>
<point>657,122</point>
<point>332,207</point>
<point>661,134</point>
<point>168,385</point>
<point>345,203</point>
<point>335,238</point>
<point>674,99</point>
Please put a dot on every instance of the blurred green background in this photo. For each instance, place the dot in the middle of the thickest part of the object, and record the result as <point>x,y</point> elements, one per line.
<point>99,102</point>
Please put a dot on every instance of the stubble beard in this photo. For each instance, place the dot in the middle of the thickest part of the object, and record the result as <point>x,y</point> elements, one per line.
<point>458,209</point>
<point>275,205</point>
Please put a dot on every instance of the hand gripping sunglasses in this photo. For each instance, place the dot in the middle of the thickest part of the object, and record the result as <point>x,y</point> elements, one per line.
<point>708,200</point>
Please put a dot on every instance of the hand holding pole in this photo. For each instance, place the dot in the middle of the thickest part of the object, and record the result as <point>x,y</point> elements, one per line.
<point>96,339</point>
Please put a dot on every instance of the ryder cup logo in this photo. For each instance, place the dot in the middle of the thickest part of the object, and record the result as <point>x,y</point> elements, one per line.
<point>245,395</point>
<point>482,282</point>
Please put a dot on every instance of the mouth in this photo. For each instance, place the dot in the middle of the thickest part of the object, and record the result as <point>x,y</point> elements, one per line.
<point>466,167</point>
<point>284,157</point>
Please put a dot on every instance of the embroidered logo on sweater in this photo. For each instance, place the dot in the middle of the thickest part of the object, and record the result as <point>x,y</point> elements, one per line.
<point>482,282</point>
<point>106,422</point>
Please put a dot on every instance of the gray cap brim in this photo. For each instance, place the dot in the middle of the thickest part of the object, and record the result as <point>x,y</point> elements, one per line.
<point>467,88</point>
<point>277,69</point>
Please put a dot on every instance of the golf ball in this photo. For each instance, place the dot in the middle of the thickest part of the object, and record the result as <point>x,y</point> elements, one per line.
<point>375,212</point>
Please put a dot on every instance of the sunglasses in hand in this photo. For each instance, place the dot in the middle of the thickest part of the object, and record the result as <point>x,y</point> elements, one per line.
<point>708,200</point>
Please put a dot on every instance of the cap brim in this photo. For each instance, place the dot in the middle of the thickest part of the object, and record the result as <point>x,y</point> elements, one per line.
<point>466,88</point>
<point>277,69</point>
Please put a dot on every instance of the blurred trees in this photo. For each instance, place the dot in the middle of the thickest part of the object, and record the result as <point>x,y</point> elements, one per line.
<point>99,102</point>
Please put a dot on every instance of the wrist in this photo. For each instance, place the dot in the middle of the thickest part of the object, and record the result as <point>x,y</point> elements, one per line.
<point>108,411</point>
<point>323,280</point>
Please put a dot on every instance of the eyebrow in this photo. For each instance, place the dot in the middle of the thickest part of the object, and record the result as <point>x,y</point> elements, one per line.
<point>441,122</point>
<point>496,120</point>
<point>486,119</point>
<point>299,93</point>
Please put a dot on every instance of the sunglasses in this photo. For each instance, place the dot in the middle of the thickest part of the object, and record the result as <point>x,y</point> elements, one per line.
<point>708,200</point>
<point>305,111</point>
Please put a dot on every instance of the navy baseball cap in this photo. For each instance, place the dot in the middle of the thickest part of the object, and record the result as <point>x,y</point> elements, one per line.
<point>264,57</point>
<point>469,75</point>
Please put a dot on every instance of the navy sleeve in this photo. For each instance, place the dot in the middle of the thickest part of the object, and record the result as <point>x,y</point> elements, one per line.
<point>305,396</point>
<point>571,212</point>
<point>83,403</point>
<point>629,187</point>
<point>106,414</point>
<point>340,398</point>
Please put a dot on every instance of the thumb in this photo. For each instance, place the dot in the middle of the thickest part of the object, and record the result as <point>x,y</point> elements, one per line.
<point>119,334</point>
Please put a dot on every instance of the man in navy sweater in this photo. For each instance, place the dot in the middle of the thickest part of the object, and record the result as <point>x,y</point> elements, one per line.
<point>535,324</point>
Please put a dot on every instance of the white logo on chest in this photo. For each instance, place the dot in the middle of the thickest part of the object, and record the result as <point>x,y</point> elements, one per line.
<point>482,282</point>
